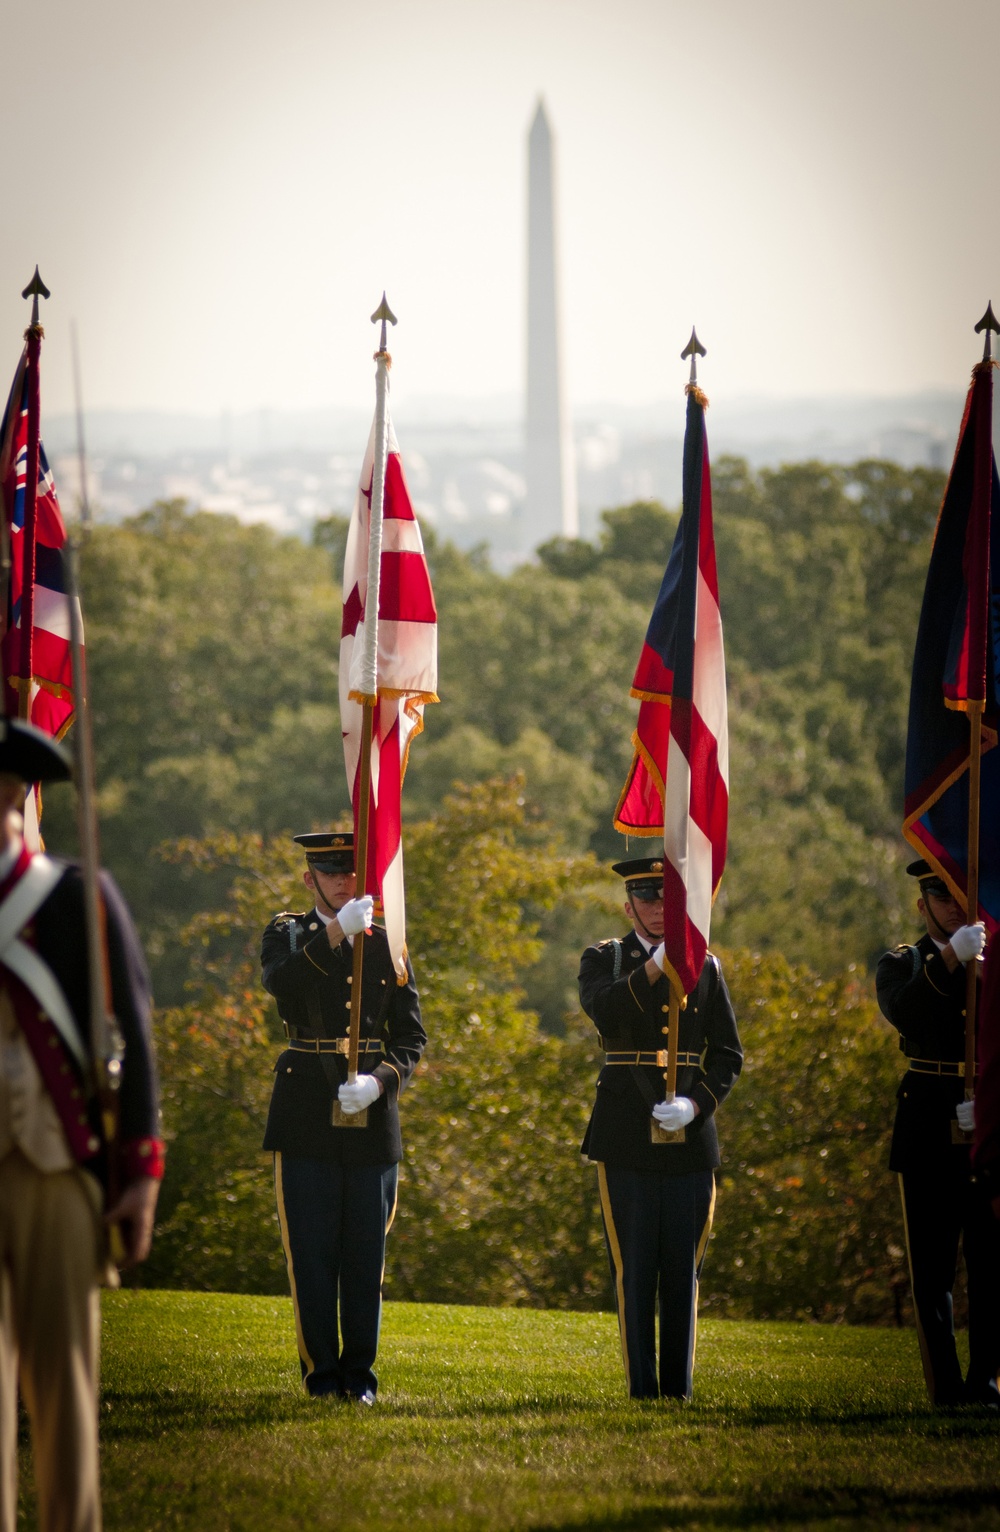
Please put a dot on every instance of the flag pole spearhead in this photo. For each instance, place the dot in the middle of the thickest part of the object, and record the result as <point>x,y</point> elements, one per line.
<point>35,289</point>
<point>383,312</point>
<point>694,349</point>
<point>990,325</point>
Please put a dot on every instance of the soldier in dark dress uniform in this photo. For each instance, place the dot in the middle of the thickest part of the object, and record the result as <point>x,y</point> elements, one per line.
<point>657,1199</point>
<point>921,990</point>
<point>54,1180</point>
<point>336,1185</point>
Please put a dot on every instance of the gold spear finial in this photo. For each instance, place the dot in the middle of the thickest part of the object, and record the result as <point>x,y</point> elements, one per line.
<point>383,312</point>
<point>989,324</point>
<point>35,289</point>
<point>694,349</point>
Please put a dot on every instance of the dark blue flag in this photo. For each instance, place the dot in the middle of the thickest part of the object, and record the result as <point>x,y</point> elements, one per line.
<point>956,667</point>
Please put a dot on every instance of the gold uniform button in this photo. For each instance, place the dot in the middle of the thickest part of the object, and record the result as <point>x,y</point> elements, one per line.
<point>664,1007</point>
<point>350,978</point>
<point>347,1005</point>
<point>664,1029</point>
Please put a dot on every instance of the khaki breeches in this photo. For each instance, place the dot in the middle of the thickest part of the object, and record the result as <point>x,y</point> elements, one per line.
<point>49,1332</point>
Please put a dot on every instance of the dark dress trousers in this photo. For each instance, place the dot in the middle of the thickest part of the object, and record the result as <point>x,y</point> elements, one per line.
<point>943,1202</point>
<point>336,1186</point>
<point>657,1200</point>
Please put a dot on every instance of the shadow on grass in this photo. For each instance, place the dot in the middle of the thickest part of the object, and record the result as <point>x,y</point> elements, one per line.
<point>828,1504</point>
<point>145,1415</point>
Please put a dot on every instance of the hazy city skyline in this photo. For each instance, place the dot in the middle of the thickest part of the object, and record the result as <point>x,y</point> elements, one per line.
<point>217,194</point>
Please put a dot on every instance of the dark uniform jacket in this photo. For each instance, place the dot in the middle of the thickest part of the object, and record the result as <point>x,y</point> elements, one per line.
<point>311,982</point>
<point>58,932</point>
<point>631,1013</point>
<point>926,1004</point>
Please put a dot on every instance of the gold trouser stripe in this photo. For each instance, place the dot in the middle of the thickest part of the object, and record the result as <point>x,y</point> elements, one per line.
<point>392,1219</point>
<point>925,1355</point>
<point>706,1231</point>
<point>279,1197</point>
<point>616,1256</point>
<point>699,1253</point>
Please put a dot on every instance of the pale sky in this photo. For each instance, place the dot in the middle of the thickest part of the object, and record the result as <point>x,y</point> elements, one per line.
<point>217,191</point>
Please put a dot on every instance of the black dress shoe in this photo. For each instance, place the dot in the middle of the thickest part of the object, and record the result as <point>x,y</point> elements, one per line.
<point>367,1398</point>
<point>985,1395</point>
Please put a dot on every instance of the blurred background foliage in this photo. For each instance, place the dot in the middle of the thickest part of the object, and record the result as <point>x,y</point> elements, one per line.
<point>213,651</point>
<point>213,655</point>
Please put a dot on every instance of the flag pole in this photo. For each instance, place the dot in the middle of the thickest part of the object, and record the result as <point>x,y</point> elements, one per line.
<point>33,335</point>
<point>368,692</point>
<point>976,707</point>
<point>694,349</point>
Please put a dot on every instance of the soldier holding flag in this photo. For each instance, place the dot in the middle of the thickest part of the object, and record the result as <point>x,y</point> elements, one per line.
<point>652,1131</point>
<point>344,988</point>
<point>930,991</point>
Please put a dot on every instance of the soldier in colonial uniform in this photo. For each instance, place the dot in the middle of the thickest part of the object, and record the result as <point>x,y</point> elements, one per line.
<point>336,1184</point>
<point>921,990</point>
<point>54,1160</point>
<point>657,1196</point>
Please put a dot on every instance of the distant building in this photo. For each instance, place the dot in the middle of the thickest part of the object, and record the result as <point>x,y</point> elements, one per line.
<point>551,506</point>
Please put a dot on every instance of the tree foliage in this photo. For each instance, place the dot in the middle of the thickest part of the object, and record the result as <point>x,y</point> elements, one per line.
<point>213,655</point>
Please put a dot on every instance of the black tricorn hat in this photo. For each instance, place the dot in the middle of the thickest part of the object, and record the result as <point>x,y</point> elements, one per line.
<point>643,876</point>
<point>328,850</point>
<point>31,754</point>
<point>931,882</point>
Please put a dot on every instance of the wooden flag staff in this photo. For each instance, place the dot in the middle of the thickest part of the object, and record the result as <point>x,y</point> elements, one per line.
<point>694,349</point>
<point>35,289</point>
<point>367,695</point>
<point>989,324</point>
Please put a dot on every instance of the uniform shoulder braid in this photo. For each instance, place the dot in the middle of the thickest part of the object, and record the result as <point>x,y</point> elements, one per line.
<point>286,917</point>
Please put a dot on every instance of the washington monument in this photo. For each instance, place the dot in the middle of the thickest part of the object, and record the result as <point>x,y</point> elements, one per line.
<point>551,481</point>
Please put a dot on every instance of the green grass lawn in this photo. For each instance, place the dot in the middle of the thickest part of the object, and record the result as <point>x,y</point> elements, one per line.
<point>509,1418</point>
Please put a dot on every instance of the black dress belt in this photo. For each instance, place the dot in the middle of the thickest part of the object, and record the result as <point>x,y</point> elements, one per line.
<point>659,1058</point>
<point>366,1045</point>
<point>953,1068</point>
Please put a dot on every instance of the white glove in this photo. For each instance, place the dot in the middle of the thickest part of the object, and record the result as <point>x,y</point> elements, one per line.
<point>658,956</point>
<point>365,1090</point>
<point>968,941</point>
<point>356,915</point>
<point>674,1114</point>
<point>966,1114</point>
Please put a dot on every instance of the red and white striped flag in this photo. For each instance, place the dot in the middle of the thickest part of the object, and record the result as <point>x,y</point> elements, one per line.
<point>678,784</point>
<point>407,674</point>
<point>35,651</point>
